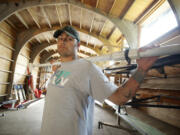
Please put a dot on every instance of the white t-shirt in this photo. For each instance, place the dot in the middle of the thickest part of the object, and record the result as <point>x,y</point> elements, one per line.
<point>70,98</point>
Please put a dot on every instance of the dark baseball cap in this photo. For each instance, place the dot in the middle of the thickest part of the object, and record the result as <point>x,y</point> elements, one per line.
<point>69,30</point>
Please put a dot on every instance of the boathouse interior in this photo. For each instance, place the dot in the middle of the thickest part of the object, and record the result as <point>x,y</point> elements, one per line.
<point>105,27</point>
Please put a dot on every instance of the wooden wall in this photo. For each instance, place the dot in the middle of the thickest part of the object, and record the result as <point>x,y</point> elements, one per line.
<point>168,87</point>
<point>7,42</point>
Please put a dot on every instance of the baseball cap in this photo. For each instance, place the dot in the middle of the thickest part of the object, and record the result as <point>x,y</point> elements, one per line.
<point>69,30</point>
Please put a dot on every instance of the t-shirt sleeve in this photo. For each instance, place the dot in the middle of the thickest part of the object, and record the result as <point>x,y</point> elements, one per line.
<point>100,87</point>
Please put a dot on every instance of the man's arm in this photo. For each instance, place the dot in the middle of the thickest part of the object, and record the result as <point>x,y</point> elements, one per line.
<point>127,91</point>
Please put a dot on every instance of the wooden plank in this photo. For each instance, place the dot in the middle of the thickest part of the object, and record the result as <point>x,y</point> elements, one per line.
<point>4,76</point>
<point>69,13</point>
<point>51,14</point>
<point>6,71</point>
<point>5,52</point>
<point>63,12</point>
<point>33,17</point>
<point>46,17</point>
<point>5,28</point>
<point>151,5</point>
<point>7,59</point>
<point>86,22</point>
<point>162,83</point>
<point>107,28</point>
<point>59,18</point>
<point>6,41</point>
<point>118,7</point>
<point>91,3</point>
<point>76,15</point>
<point>126,8</point>
<point>3,89</point>
<point>105,5</point>
<point>21,20</point>
<point>5,65</point>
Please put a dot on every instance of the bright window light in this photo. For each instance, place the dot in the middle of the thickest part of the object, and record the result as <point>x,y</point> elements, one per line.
<point>160,22</point>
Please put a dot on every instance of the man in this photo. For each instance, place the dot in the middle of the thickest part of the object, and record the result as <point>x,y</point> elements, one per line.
<point>74,86</point>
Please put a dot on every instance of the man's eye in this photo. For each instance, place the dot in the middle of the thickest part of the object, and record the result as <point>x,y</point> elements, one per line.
<point>70,39</point>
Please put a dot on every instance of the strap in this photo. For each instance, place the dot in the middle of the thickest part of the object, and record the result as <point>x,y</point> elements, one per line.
<point>127,57</point>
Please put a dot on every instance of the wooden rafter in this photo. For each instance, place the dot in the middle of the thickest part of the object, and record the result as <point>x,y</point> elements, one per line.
<point>6,33</point>
<point>113,29</point>
<point>102,27</point>
<point>22,20</point>
<point>34,19</point>
<point>46,17</point>
<point>87,40</point>
<point>69,11</point>
<point>38,40</point>
<point>80,23</point>
<point>58,16</point>
<point>46,38</point>
<point>112,6</point>
<point>91,24</point>
<point>154,2</point>
<point>97,3</point>
<point>151,11</point>
<point>119,39</point>
<point>125,10</point>
<point>10,24</point>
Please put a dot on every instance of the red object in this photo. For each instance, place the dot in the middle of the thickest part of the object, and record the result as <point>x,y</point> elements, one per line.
<point>37,93</point>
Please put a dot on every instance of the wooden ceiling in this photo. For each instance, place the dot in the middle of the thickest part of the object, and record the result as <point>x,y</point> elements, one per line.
<point>99,35</point>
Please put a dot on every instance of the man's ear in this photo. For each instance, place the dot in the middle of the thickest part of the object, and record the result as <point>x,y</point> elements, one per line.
<point>78,44</point>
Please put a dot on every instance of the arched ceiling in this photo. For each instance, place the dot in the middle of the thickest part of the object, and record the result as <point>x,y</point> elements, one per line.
<point>99,22</point>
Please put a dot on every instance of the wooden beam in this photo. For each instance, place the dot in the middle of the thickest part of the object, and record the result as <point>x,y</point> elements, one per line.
<point>34,19</point>
<point>6,59</point>
<point>21,20</point>
<point>46,17</point>
<point>57,11</point>
<point>24,56</point>
<point>80,23</point>
<point>38,40</point>
<point>4,83</point>
<point>6,33</point>
<point>97,3</point>
<point>10,24</point>
<point>113,29</point>
<point>119,39</point>
<point>161,83</point>
<point>102,27</point>
<point>125,10</point>
<point>151,11</point>
<point>8,47</point>
<point>6,71</point>
<point>112,7</point>
<point>87,40</point>
<point>69,11</point>
<point>91,24</point>
<point>153,3</point>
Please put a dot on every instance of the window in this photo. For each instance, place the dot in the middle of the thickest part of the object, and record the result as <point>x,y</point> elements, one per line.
<point>160,22</point>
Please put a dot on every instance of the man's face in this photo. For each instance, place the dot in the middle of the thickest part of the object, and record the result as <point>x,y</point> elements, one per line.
<point>66,45</point>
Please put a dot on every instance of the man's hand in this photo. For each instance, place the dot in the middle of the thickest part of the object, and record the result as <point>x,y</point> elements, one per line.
<point>146,63</point>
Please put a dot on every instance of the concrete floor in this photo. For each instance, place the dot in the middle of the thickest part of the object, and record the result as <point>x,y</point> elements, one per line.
<point>28,121</point>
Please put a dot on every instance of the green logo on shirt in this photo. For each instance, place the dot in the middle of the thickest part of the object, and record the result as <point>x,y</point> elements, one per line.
<point>60,78</point>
